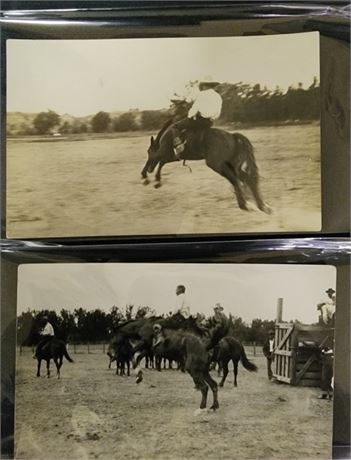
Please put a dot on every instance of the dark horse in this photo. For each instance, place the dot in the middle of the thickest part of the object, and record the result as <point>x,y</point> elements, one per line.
<point>56,350</point>
<point>193,353</point>
<point>229,349</point>
<point>228,154</point>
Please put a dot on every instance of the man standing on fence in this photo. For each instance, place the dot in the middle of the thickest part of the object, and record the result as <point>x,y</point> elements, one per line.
<point>327,309</point>
<point>268,349</point>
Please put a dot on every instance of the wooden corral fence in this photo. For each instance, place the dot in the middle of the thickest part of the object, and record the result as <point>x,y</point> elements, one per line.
<point>297,350</point>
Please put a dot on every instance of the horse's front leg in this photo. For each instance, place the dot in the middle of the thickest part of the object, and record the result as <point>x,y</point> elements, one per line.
<point>48,368</point>
<point>144,173</point>
<point>225,373</point>
<point>158,175</point>
<point>139,353</point>
<point>213,385</point>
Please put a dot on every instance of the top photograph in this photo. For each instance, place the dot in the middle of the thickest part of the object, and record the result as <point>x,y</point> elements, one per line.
<point>163,136</point>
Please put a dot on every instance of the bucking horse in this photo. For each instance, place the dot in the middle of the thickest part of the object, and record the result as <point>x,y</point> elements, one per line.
<point>229,154</point>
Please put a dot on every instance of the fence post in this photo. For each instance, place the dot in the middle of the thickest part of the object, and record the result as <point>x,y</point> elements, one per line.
<point>254,348</point>
<point>88,348</point>
<point>279,317</point>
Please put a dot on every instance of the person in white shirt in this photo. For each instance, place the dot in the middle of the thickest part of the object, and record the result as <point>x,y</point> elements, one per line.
<point>182,306</point>
<point>47,333</point>
<point>327,308</point>
<point>205,110</point>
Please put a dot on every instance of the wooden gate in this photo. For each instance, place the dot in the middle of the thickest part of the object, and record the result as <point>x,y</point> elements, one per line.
<point>283,353</point>
<point>297,352</point>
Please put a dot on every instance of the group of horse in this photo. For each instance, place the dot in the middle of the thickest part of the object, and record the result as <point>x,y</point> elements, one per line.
<point>193,346</point>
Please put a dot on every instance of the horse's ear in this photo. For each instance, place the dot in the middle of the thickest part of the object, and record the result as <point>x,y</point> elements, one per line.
<point>152,140</point>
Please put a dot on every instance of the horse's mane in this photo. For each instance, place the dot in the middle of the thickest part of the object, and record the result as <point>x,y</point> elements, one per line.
<point>162,131</point>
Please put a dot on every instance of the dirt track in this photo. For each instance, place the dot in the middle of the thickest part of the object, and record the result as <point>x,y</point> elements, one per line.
<point>92,413</point>
<point>93,187</point>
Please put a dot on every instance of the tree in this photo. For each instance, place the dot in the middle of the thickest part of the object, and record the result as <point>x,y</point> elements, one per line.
<point>100,122</point>
<point>125,122</point>
<point>45,121</point>
<point>154,119</point>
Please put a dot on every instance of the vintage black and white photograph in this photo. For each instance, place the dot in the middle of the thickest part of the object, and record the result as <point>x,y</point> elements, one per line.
<point>170,361</point>
<point>163,136</point>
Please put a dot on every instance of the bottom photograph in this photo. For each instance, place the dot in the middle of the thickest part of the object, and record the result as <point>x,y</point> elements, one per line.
<point>174,361</point>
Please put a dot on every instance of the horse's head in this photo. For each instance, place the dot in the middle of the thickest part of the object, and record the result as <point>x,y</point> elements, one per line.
<point>153,155</point>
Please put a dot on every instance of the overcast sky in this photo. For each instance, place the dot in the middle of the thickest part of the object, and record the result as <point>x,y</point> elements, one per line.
<point>81,77</point>
<point>250,291</point>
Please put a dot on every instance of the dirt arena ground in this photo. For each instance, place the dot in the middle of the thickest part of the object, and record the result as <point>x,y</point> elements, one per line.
<point>92,187</point>
<point>93,414</point>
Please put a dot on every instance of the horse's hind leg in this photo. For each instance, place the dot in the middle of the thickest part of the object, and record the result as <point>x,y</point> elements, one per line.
<point>38,368</point>
<point>48,368</point>
<point>57,364</point>
<point>213,385</point>
<point>226,170</point>
<point>252,182</point>
<point>235,371</point>
<point>201,385</point>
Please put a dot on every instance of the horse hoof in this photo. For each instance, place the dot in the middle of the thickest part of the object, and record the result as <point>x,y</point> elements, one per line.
<point>214,407</point>
<point>157,185</point>
<point>250,207</point>
<point>267,209</point>
<point>146,182</point>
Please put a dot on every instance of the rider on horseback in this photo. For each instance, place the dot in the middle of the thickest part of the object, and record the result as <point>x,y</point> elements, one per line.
<point>205,109</point>
<point>47,333</point>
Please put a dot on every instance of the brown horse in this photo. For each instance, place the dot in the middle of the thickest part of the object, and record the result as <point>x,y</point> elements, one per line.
<point>192,351</point>
<point>229,154</point>
<point>56,350</point>
<point>229,349</point>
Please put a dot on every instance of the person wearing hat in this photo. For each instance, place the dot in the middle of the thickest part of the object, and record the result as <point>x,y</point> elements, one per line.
<point>268,349</point>
<point>219,315</point>
<point>327,309</point>
<point>205,109</point>
<point>47,333</point>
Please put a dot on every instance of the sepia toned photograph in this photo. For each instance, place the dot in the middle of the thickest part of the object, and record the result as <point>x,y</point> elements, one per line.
<point>163,136</point>
<point>170,361</point>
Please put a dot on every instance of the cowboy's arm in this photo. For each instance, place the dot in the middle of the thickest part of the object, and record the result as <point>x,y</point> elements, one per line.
<point>194,109</point>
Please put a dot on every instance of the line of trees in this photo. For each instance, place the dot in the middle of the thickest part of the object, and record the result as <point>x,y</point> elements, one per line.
<point>94,326</point>
<point>242,103</point>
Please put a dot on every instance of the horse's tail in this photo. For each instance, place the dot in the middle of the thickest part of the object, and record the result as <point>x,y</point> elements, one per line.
<point>66,355</point>
<point>246,363</point>
<point>244,159</point>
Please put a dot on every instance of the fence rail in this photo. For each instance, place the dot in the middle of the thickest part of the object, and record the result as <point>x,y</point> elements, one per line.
<point>251,348</point>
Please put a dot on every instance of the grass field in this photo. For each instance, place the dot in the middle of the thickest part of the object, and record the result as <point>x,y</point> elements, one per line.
<point>93,187</point>
<point>92,413</point>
